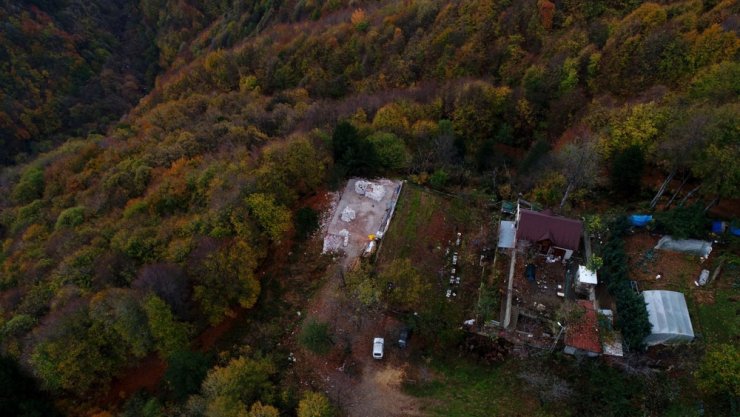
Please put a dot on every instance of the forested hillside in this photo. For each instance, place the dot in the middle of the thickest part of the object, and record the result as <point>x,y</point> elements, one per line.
<point>69,68</point>
<point>128,237</point>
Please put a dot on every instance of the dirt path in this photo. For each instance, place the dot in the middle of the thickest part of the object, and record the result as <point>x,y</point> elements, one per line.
<point>145,375</point>
<point>379,394</point>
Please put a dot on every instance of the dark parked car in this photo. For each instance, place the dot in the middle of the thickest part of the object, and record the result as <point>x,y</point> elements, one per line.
<point>403,338</point>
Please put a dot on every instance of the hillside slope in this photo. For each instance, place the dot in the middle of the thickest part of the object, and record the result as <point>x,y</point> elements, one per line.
<point>129,241</point>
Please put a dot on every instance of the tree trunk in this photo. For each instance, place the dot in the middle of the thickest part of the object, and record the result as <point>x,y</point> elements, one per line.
<point>683,182</point>
<point>565,196</point>
<point>689,195</point>
<point>662,189</point>
<point>712,203</point>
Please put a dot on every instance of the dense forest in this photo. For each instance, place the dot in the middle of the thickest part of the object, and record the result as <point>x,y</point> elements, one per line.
<point>158,152</point>
<point>69,68</point>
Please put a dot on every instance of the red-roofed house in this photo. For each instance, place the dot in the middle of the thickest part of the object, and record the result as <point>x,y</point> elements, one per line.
<point>549,230</point>
<point>582,336</point>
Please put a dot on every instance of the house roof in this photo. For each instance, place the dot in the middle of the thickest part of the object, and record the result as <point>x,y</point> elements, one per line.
<point>537,226</point>
<point>584,333</point>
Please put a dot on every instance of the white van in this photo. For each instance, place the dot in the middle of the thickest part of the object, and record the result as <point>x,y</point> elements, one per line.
<point>378,343</point>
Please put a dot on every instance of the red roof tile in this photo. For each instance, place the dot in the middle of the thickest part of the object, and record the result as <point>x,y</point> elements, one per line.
<point>584,333</point>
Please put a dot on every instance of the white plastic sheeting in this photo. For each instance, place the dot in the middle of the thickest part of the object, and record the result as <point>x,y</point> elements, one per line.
<point>669,316</point>
<point>703,278</point>
<point>586,276</point>
<point>698,247</point>
<point>506,234</point>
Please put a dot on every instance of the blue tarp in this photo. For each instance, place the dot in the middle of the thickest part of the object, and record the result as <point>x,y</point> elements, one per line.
<point>735,231</point>
<point>640,219</point>
<point>718,226</point>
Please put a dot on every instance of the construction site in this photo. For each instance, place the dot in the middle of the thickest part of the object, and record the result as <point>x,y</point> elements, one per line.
<point>361,216</point>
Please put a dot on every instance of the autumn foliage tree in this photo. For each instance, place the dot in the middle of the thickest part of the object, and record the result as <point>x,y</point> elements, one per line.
<point>403,287</point>
<point>158,221</point>
<point>230,390</point>
<point>315,404</point>
<point>226,279</point>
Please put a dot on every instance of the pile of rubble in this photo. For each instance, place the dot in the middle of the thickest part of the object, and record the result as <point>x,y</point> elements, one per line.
<point>348,214</point>
<point>370,190</point>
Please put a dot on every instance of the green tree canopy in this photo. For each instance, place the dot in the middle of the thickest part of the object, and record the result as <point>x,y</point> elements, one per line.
<point>169,335</point>
<point>186,370</point>
<point>120,310</point>
<point>290,169</point>
<point>478,118</point>
<point>403,286</point>
<point>229,390</point>
<point>391,118</point>
<point>76,354</point>
<point>363,285</point>
<point>315,337</point>
<point>262,410</point>
<point>227,278</point>
<point>353,151</point>
<point>315,404</point>
<point>634,126</point>
<point>390,149</point>
<point>71,217</point>
<point>626,171</point>
<point>273,218</point>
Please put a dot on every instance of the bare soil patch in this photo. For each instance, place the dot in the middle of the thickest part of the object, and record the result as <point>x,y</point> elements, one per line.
<point>677,271</point>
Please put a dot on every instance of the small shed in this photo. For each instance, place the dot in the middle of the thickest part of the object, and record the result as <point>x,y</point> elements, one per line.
<point>669,317</point>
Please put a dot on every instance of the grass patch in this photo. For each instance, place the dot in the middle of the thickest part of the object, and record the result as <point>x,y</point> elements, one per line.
<point>315,337</point>
<point>489,302</point>
<point>470,390</point>
<point>414,211</point>
<point>424,230</point>
<point>719,321</point>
